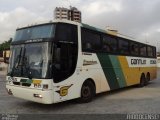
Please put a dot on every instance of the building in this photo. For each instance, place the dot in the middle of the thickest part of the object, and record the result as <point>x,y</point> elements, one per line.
<point>75,14</point>
<point>61,13</point>
<point>72,14</point>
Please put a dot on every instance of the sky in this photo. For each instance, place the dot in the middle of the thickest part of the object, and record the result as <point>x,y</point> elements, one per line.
<point>138,19</point>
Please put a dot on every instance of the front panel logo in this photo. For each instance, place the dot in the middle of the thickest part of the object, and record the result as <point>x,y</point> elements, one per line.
<point>64,90</point>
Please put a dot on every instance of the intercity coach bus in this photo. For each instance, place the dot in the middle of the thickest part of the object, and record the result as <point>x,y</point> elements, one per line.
<point>63,60</point>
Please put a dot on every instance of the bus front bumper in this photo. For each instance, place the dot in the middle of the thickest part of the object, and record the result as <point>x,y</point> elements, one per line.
<point>45,97</point>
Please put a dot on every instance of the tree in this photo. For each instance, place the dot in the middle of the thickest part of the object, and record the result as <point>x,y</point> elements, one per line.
<point>5,45</point>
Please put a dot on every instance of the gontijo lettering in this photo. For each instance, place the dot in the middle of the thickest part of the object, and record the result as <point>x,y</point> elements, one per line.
<point>138,61</point>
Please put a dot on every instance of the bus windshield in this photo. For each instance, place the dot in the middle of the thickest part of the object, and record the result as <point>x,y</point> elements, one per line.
<point>55,56</point>
<point>30,60</point>
<point>37,32</point>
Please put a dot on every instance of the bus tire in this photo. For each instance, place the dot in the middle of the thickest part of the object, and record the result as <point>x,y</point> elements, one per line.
<point>147,79</point>
<point>87,92</point>
<point>142,81</point>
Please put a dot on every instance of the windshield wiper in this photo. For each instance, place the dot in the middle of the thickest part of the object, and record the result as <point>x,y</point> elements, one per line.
<point>21,64</point>
<point>17,63</point>
<point>25,64</point>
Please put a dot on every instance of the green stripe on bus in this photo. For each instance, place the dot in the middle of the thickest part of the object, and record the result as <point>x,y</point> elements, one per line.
<point>118,71</point>
<point>93,28</point>
<point>29,81</point>
<point>108,70</point>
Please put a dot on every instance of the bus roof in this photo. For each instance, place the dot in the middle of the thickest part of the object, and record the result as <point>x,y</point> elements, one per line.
<point>69,22</point>
<point>83,25</point>
<point>49,22</point>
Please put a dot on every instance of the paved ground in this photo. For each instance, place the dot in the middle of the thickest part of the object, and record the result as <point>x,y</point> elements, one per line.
<point>128,100</point>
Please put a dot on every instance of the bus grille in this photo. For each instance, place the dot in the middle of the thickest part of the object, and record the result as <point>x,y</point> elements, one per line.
<point>22,84</point>
<point>26,84</point>
<point>16,83</point>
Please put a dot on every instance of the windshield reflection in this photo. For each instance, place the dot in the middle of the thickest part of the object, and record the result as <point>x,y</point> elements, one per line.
<point>30,60</point>
<point>36,32</point>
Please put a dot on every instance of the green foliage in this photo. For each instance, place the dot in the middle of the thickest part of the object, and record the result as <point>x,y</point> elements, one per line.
<point>5,45</point>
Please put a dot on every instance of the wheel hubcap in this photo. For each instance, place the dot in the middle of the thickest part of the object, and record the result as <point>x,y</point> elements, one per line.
<point>86,91</point>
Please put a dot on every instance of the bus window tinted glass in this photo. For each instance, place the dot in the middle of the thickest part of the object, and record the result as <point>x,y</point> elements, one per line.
<point>123,46</point>
<point>150,51</point>
<point>143,50</point>
<point>36,32</point>
<point>90,40</point>
<point>154,52</point>
<point>109,44</point>
<point>134,48</point>
<point>66,32</point>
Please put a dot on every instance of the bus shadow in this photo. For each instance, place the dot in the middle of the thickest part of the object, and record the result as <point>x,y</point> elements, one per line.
<point>151,84</point>
<point>47,108</point>
<point>66,105</point>
<point>154,84</point>
<point>116,91</point>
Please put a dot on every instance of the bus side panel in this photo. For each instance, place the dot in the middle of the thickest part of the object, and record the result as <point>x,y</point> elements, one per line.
<point>91,68</point>
<point>112,70</point>
<point>120,73</point>
<point>132,73</point>
<point>153,73</point>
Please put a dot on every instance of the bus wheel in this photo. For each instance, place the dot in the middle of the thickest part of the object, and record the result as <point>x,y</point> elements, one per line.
<point>87,92</point>
<point>142,81</point>
<point>147,79</point>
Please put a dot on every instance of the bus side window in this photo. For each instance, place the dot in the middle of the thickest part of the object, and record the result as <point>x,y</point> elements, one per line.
<point>65,33</point>
<point>134,48</point>
<point>150,51</point>
<point>154,52</point>
<point>57,57</point>
<point>106,48</point>
<point>109,44</point>
<point>88,46</point>
<point>143,50</point>
<point>91,41</point>
<point>65,52</point>
<point>123,46</point>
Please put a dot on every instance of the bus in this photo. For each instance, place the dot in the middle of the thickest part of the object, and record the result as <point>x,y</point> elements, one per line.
<point>63,60</point>
<point>6,54</point>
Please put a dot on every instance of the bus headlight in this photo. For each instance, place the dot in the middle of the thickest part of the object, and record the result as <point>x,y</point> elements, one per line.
<point>37,95</point>
<point>37,85</point>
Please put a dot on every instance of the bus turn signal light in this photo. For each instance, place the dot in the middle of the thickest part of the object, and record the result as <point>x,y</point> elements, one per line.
<point>45,86</point>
